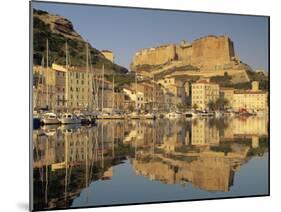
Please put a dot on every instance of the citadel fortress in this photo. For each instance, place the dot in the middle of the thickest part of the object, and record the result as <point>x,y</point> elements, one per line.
<point>206,57</point>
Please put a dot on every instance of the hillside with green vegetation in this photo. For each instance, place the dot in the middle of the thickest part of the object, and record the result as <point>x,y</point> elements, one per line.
<point>225,81</point>
<point>58,30</point>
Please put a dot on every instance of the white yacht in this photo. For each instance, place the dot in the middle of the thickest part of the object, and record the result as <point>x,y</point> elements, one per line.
<point>50,118</point>
<point>69,118</point>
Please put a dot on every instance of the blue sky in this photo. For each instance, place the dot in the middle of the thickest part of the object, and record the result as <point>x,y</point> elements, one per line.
<point>125,31</point>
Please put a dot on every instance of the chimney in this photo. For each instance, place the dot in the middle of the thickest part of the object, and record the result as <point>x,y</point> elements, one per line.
<point>255,86</point>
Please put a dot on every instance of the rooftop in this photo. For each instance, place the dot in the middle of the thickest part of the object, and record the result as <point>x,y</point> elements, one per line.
<point>205,82</point>
<point>106,50</point>
<point>249,92</point>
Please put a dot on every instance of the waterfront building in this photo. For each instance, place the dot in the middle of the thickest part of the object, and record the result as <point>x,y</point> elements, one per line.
<point>204,92</point>
<point>251,100</point>
<point>136,97</point>
<point>45,88</point>
<point>146,95</point>
<point>78,87</point>
<point>177,87</point>
<point>108,55</point>
<point>64,88</point>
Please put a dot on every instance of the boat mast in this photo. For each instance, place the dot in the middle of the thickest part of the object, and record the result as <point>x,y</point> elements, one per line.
<point>102,145</point>
<point>47,74</point>
<point>153,104</point>
<point>87,69</point>
<point>136,89</point>
<point>113,93</point>
<point>102,88</point>
<point>66,74</point>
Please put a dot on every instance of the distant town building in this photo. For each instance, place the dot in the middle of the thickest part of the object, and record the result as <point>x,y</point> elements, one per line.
<point>108,55</point>
<point>146,95</point>
<point>178,87</point>
<point>204,92</point>
<point>250,100</point>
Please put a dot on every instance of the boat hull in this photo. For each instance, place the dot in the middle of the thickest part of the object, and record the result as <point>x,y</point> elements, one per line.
<point>70,121</point>
<point>50,121</point>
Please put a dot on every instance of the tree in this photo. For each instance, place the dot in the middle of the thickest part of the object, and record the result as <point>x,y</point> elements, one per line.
<point>221,103</point>
<point>131,108</point>
<point>211,105</point>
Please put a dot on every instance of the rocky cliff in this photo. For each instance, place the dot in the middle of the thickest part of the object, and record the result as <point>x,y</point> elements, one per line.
<point>58,30</point>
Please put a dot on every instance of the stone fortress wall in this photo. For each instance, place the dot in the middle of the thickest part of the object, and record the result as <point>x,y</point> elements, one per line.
<point>155,56</point>
<point>209,52</point>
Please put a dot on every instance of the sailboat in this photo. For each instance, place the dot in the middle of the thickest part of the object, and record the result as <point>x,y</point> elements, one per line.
<point>114,114</point>
<point>49,118</point>
<point>68,118</point>
<point>103,114</point>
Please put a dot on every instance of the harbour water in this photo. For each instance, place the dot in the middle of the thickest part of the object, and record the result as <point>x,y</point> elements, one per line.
<point>137,161</point>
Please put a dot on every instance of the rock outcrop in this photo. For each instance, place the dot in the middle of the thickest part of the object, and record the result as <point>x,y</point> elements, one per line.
<point>60,30</point>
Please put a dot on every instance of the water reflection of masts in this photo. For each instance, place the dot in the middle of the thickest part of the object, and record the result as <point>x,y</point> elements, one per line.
<point>102,164</point>
<point>41,168</point>
<point>46,165</point>
<point>66,167</point>
<point>86,164</point>
<point>154,138</point>
<point>113,140</point>
<point>102,158</point>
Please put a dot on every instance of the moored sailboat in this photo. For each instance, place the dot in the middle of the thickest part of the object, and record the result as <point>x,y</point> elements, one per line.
<point>50,118</point>
<point>69,118</point>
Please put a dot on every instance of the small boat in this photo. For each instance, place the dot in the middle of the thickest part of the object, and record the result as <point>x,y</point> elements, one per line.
<point>134,115</point>
<point>148,116</point>
<point>190,114</point>
<point>117,115</point>
<point>174,115</point>
<point>85,119</point>
<point>205,113</point>
<point>69,118</point>
<point>103,115</point>
<point>50,118</point>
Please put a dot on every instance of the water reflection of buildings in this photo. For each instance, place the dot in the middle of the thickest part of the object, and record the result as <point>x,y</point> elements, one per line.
<point>210,159</point>
<point>211,174</point>
<point>203,152</point>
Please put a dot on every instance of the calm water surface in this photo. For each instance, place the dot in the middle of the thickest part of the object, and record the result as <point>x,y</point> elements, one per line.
<point>121,162</point>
